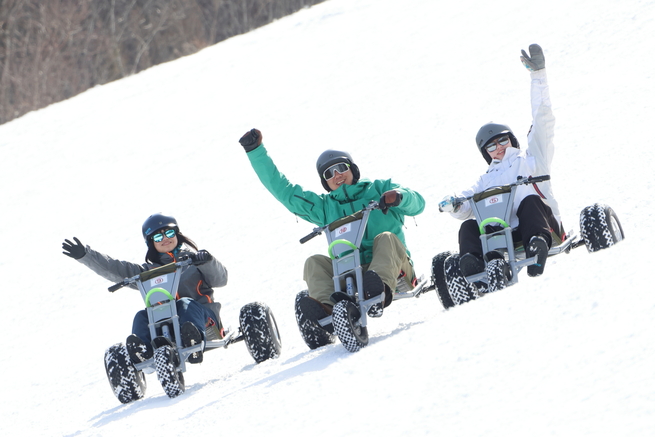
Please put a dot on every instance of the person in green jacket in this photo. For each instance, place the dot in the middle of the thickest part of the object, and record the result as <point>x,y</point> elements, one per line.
<point>384,255</point>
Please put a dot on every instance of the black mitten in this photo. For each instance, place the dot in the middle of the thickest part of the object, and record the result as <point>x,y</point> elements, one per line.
<point>201,257</point>
<point>251,140</point>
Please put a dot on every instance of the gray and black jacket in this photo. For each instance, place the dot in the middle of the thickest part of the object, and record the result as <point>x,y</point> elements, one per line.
<point>196,282</point>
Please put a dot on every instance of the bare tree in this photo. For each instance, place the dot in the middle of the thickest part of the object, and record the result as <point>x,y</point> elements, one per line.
<point>51,50</point>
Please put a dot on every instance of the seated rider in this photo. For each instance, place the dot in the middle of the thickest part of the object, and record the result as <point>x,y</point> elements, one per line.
<point>535,216</point>
<point>384,255</point>
<point>166,244</point>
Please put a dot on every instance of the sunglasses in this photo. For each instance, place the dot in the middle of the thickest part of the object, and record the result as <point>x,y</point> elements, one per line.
<point>493,145</point>
<point>159,236</point>
<point>331,171</point>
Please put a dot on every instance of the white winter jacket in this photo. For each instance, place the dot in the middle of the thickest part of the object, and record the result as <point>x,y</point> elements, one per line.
<point>534,161</point>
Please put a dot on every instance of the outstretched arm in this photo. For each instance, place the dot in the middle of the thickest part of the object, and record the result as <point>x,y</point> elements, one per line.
<point>540,138</point>
<point>306,204</point>
<point>104,265</point>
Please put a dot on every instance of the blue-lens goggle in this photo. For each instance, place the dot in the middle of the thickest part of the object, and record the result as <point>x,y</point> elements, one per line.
<point>159,236</point>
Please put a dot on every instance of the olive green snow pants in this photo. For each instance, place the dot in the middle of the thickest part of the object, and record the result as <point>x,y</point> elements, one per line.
<point>389,259</point>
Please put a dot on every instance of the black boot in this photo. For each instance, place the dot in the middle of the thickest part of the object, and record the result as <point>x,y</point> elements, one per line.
<point>313,310</point>
<point>191,336</point>
<point>308,312</point>
<point>138,350</point>
<point>374,286</point>
<point>471,264</point>
<point>538,246</point>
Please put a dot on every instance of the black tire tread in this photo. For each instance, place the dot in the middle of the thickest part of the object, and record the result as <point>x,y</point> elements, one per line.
<point>439,279</point>
<point>170,379</point>
<point>126,382</point>
<point>459,289</point>
<point>260,331</point>
<point>595,227</point>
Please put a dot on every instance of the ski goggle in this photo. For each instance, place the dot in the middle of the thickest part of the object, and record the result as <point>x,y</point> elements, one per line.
<point>332,170</point>
<point>159,236</point>
<point>493,144</point>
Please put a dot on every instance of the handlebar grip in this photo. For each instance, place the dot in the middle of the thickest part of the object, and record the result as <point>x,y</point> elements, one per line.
<point>539,178</point>
<point>117,286</point>
<point>306,238</point>
<point>531,179</point>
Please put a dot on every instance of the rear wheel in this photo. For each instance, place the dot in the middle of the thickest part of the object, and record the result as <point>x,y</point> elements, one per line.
<point>345,318</point>
<point>260,331</point>
<point>127,383</point>
<point>600,227</point>
<point>439,279</point>
<point>459,289</point>
<point>166,362</point>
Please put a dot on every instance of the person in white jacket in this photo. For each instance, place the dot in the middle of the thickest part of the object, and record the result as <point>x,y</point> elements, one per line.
<point>535,215</point>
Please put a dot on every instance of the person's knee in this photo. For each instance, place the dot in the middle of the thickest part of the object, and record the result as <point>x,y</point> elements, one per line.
<point>314,264</point>
<point>386,235</point>
<point>530,204</point>
<point>469,227</point>
<point>388,239</point>
<point>313,261</point>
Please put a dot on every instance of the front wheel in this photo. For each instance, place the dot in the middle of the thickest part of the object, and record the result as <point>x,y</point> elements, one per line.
<point>497,274</point>
<point>260,331</point>
<point>600,227</point>
<point>127,383</point>
<point>170,379</point>
<point>345,318</point>
<point>459,289</point>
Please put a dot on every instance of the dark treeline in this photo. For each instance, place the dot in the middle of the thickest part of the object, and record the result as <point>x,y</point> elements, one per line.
<point>51,50</point>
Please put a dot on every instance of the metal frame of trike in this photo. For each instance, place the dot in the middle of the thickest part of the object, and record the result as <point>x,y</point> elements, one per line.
<point>502,240</point>
<point>344,243</point>
<point>162,311</point>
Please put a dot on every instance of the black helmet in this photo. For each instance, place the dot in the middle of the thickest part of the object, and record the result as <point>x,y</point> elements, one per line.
<point>331,157</point>
<point>491,131</point>
<point>156,222</point>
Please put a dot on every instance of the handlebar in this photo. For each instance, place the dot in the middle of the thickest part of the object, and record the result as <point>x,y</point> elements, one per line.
<point>118,286</point>
<point>316,232</point>
<point>148,274</point>
<point>356,216</point>
<point>504,188</point>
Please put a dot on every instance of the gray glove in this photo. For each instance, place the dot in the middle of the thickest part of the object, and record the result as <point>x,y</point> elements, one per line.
<point>536,59</point>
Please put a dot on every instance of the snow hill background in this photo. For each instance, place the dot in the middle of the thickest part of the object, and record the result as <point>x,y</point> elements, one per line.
<point>404,86</point>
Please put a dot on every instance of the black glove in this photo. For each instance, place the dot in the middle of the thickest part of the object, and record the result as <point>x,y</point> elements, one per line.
<point>201,257</point>
<point>389,199</point>
<point>251,140</point>
<point>536,59</point>
<point>74,250</point>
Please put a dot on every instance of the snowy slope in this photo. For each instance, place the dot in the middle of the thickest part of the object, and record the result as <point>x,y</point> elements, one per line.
<point>403,86</point>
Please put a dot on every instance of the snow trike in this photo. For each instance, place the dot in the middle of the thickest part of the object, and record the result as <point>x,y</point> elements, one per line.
<point>349,314</point>
<point>158,288</point>
<point>600,228</point>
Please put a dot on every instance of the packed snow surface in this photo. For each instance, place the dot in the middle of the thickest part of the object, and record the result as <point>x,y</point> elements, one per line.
<point>403,86</point>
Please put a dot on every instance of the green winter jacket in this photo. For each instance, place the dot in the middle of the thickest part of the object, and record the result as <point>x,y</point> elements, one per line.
<point>321,209</point>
